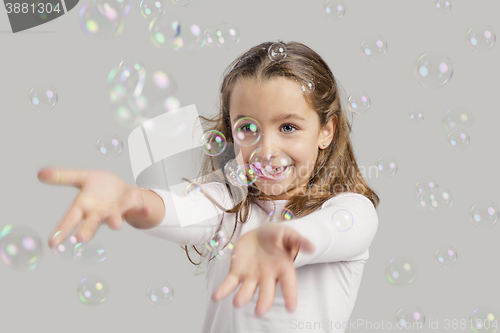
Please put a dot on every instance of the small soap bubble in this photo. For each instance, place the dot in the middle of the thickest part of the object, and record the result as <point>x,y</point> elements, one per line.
<point>425,184</point>
<point>484,214</point>
<point>42,97</point>
<point>442,6</point>
<point>213,142</point>
<point>65,249</point>
<point>20,247</point>
<point>307,87</point>
<point>218,241</point>
<point>277,216</point>
<point>484,319</point>
<point>113,9</point>
<point>359,102</point>
<point>160,294</point>
<point>458,139</point>
<point>400,271</point>
<point>92,290</point>
<point>246,131</point>
<point>164,31</point>
<point>210,36</point>
<point>227,36</point>
<point>151,9</point>
<point>374,47</point>
<point>246,175</point>
<point>277,51</point>
<point>181,3</point>
<point>410,319</point>
<point>193,191</point>
<point>190,39</point>
<point>458,118</point>
<point>334,9</point>
<point>275,165</point>
<point>230,170</point>
<point>481,37</point>
<point>445,256</point>
<point>433,69</point>
<point>109,146</point>
<point>97,25</point>
<point>416,116</point>
<point>132,75</point>
<point>89,253</point>
<point>342,220</point>
<point>387,166</point>
<point>437,200</point>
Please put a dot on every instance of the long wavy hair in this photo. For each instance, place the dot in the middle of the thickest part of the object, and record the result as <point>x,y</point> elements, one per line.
<point>335,171</point>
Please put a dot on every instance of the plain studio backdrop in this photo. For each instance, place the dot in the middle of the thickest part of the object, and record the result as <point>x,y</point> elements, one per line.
<point>77,65</point>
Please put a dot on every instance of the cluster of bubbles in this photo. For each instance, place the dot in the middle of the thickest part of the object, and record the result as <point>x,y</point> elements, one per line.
<point>431,197</point>
<point>224,36</point>
<point>387,166</point>
<point>457,123</point>
<point>334,9</point>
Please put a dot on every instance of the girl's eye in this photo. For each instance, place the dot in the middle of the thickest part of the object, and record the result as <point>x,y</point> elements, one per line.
<point>289,126</point>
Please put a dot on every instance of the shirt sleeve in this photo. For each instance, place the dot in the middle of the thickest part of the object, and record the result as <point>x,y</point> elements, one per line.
<point>331,243</point>
<point>187,218</point>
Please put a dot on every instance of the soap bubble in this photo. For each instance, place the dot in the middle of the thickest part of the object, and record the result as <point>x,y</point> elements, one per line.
<point>387,166</point>
<point>230,170</point>
<point>277,51</point>
<point>359,102</point>
<point>227,36</point>
<point>218,241</point>
<point>374,47</point>
<point>425,184</point>
<point>433,69</point>
<point>20,247</point>
<point>436,200</point>
<point>90,253</point>
<point>410,318</point>
<point>334,9</point>
<point>270,164</point>
<point>65,249</point>
<point>458,139</point>
<point>400,271</point>
<point>181,3</point>
<point>342,220</point>
<point>113,9</point>
<point>152,9</point>
<point>160,294</point>
<point>416,116</point>
<point>92,290</point>
<point>210,36</point>
<point>446,256</point>
<point>42,97</point>
<point>458,118</point>
<point>246,131</point>
<point>214,143</point>
<point>190,39</point>
<point>484,319</point>
<point>277,216</point>
<point>109,146</point>
<point>307,86</point>
<point>484,214</point>
<point>163,31</point>
<point>132,75</point>
<point>97,25</point>
<point>442,6</point>
<point>481,37</point>
<point>246,175</point>
<point>193,191</point>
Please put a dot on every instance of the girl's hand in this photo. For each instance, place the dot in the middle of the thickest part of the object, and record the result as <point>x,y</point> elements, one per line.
<point>263,257</point>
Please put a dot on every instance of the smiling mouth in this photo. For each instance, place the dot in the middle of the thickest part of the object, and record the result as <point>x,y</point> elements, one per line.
<point>276,173</point>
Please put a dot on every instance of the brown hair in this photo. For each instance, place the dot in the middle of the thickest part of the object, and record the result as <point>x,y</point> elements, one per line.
<point>302,65</point>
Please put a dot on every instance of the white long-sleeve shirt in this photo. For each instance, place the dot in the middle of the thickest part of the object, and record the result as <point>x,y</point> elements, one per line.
<point>327,280</point>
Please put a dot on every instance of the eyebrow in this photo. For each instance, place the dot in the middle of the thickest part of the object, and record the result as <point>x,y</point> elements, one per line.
<point>280,117</point>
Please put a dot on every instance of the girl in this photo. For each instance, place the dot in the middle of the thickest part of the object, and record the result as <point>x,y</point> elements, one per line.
<point>318,265</point>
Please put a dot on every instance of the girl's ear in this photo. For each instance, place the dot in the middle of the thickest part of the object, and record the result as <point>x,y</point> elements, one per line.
<point>327,133</point>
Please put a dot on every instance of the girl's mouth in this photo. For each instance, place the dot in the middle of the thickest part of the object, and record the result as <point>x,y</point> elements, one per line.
<point>276,173</point>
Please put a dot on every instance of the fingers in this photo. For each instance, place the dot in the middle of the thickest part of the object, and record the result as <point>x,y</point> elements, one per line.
<point>89,228</point>
<point>227,287</point>
<point>246,292</point>
<point>267,292</point>
<point>114,221</point>
<point>67,226</point>
<point>288,284</point>
<point>63,177</point>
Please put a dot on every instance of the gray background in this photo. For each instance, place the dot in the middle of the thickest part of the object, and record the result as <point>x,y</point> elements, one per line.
<point>77,66</point>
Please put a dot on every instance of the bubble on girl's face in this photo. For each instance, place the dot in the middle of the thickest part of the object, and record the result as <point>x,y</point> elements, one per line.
<point>481,37</point>
<point>246,131</point>
<point>227,36</point>
<point>458,139</point>
<point>458,118</point>
<point>230,170</point>
<point>425,184</point>
<point>484,319</point>
<point>387,166</point>
<point>152,9</point>
<point>342,220</point>
<point>109,146</point>
<point>334,9</point>
<point>374,47</point>
<point>92,290</point>
<point>213,143</point>
<point>277,51</point>
<point>268,163</point>
<point>484,214</point>
<point>245,175</point>
<point>277,216</point>
<point>307,87</point>
<point>113,9</point>
<point>416,116</point>
<point>359,102</point>
<point>65,249</point>
<point>218,241</point>
<point>400,271</point>
<point>181,3</point>
<point>132,75</point>
<point>210,36</point>
<point>42,97</point>
<point>433,69</point>
<point>164,31</point>
<point>442,6</point>
<point>89,253</point>
<point>190,39</point>
<point>97,25</point>
<point>437,200</point>
<point>445,256</point>
<point>20,247</point>
<point>160,294</point>
<point>410,318</point>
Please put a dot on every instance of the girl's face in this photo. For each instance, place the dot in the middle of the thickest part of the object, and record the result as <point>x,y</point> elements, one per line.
<point>287,124</point>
